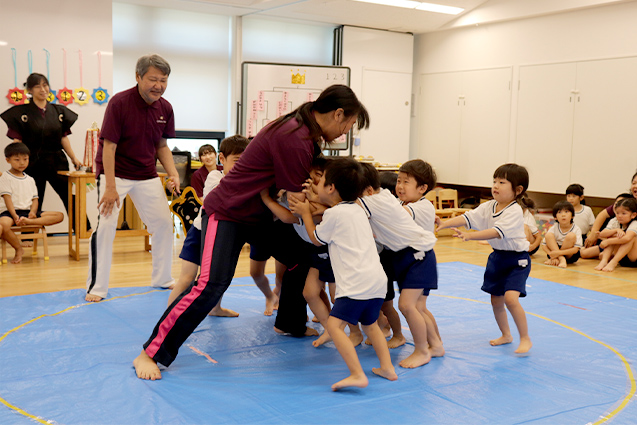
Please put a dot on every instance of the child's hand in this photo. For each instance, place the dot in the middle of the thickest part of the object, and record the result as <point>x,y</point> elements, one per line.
<point>299,207</point>
<point>32,215</point>
<point>20,221</point>
<point>437,221</point>
<point>460,234</point>
<point>620,233</point>
<point>604,244</point>
<point>317,209</point>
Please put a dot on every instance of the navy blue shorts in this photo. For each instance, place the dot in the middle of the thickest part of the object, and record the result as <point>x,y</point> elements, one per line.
<point>535,250</point>
<point>353,311</point>
<point>626,262</point>
<point>387,261</point>
<point>20,213</point>
<point>191,250</point>
<point>506,271</point>
<point>260,251</point>
<point>321,262</point>
<point>413,273</point>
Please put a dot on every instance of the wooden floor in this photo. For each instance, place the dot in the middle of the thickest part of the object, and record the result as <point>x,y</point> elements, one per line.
<point>132,267</point>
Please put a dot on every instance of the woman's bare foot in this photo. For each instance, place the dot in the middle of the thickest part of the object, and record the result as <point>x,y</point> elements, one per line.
<point>218,311</point>
<point>396,341</point>
<point>418,358</point>
<point>271,304</point>
<point>525,345</point>
<point>562,262</point>
<point>18,256</point>
<point>601,265</point>
<point>351,381</point>
<point>93,298</point>
<point>609,267</point>
<point>384,373</point>
<point>146,368</point>
<point>502,340</point>
<point>325,337</point>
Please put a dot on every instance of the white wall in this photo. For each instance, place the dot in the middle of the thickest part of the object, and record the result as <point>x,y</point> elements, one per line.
<point>53,25</point>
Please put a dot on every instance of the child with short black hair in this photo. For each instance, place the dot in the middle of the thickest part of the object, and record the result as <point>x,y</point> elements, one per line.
<point>608,230</point>
<point>388,181</point>
<point>584,217</point>
<point>530,225</point>
<point>501,222</point>
<point>563,240</point>
<point>19,198</point>
<point>361,283</point>
<point>620,247</point>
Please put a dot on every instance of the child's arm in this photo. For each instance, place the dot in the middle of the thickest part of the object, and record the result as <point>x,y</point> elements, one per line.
<point>310,191</point>
<point>536,242</point>
<point>9,203</point>
<point>606,233</point>
<point>599,221</point>
<point>278,210</point>
<point>452,222</point>
<point>317,208</point>
<point>481,235</point>
<point>302,208</point>
<point>33,213</point>
<point>628,236</point>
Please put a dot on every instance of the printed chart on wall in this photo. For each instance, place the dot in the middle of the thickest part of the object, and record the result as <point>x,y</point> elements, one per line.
<point>270,90</point>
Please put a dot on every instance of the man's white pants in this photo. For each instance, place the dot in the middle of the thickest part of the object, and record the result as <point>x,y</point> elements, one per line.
<point>150,200</point>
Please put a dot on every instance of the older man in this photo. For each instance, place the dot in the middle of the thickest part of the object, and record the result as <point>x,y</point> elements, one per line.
<point>136,124</point>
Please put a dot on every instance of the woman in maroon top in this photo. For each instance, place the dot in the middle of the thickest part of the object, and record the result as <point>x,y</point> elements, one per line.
<point>280,155</point>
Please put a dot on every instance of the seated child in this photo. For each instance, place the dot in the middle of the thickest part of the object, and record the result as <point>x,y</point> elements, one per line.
<point>361,283</point>
<point>530,225</point>
<point>594,251</point>
<point>620,247</point>
<point>230,149</point>
<point>388,181</point>
<point>501,222</point>
<point>19,199</point>
<point>584,217</point>
<point>563,240</point>
<point>413,258</point>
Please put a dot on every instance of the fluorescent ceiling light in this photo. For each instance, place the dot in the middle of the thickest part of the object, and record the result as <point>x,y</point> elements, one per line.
<point>412,4</point>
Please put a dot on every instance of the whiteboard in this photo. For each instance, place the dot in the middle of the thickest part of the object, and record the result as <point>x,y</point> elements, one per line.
<point>270,90</point>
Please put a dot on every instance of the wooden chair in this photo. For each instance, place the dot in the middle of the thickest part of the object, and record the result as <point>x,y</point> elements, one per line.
<point>431,197</point>
<point>29,232</point>
<point>447,198</point>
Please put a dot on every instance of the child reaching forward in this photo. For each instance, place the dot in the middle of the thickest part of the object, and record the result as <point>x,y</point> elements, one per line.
<point>620,247</point>
<point>19,199</point>
<point>500,221</point>
<point>361,283</point>
<point>564,239</point>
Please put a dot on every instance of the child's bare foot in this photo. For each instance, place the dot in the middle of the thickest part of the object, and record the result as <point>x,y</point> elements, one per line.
<point>356,338</point>
<point>525,345</point>
<point>437,351</point>
<point>351,381</point>
<point>385,373</point>
<point>146,368</point>
<point>218,311</point>
<point>396,341</point>
<point>271,304</point>
<point>325,337</point>
<point>609,267</point>
<point>418,358</point>
<point>562,262</point>
<point>93,298</point>
<point>552,262</point>
<point>18,256</point>
<point>601,265</point>
<point>502,340</point>
<point>310,332</point>
<point>315,320</point>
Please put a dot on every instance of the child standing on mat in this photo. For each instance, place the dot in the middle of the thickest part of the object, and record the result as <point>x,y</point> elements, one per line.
<point>564,239</point>
<point>501,222</point>
<point>19,199</point>
<point>361,283</point>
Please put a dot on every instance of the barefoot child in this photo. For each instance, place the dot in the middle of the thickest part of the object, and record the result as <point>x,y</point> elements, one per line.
<point>620,247</point>
<point>608,230</point>
<point>230,151</point>
<point>19,198</point>
<point>360,281</point>
<point>563,240</point>
<point>500,221</point>
<point>414,262</point>
<point>584,217</point>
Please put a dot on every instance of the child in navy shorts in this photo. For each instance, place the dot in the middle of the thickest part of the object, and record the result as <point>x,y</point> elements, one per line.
<point>361,284</point>
<point>564,239</point>
<point>501,222</point>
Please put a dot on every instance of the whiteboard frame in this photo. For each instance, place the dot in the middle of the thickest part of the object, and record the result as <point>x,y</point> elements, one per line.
<point>242,122</point>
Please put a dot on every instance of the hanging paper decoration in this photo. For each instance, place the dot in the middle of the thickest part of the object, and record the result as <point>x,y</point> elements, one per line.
<point>90,146</point>
<point>27,95</point>
<point>65,95</point>
<point>100,95</point>
<point>51,97</point>
<point>15,95</point>
<point>80,94</point>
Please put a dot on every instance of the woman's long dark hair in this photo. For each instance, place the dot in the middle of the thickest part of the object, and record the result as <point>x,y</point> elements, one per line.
<point>35,79</point>
<point>330,99</point>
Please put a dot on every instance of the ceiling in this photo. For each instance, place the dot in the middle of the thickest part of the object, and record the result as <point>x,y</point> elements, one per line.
<point>348,12</point>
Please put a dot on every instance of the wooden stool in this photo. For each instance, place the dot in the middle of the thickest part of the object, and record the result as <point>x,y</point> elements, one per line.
<point>29,232</point>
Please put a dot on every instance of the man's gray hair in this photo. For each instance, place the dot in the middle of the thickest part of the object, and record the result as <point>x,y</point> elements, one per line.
<point>145,62</point>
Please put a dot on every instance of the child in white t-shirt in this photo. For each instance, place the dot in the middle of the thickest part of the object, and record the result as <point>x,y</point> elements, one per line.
<point>361,283</point>
<point>530,225</point>
<point>621,247</point>
<point>584,217</point>
<point>563,240</point>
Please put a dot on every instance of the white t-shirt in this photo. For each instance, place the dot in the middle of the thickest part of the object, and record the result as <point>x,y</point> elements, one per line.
<point>212,181</point>
<point>355,262</point>
<point>508,222</point>
<point>560,236</point>
<point>21,189</point>
<point>584,219</point>
<point>424,213</point>
<point>632,227</point>
<point>392,225</point>
<point>529,220</point>
<point>613,224</point>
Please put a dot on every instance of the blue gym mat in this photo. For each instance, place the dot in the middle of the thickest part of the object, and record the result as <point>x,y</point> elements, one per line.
<point>64,361</point>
